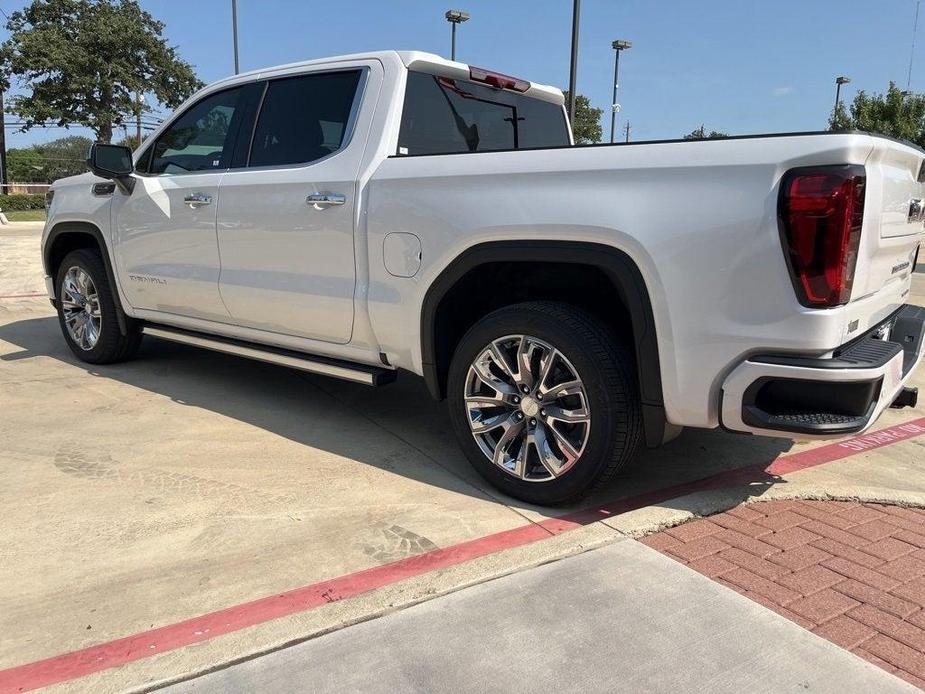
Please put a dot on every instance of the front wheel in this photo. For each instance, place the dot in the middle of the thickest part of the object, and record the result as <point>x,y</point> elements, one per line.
<point>544,401</point>
<point>87,310</point>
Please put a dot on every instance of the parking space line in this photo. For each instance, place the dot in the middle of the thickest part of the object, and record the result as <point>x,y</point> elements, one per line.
<point>22,296</point>
<point>69,666</point>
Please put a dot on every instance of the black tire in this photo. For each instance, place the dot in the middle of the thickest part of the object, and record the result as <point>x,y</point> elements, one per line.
<point>111,346</point>
<point>604,364</point>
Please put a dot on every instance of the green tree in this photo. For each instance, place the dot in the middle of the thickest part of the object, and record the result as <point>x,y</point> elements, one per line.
<point>702,134</point>
<point>85,62</point>
<point>25,165</point>
<point>897,114</point>
<point>130,141</point>
<point>66,156</point>
<point>587,126</point>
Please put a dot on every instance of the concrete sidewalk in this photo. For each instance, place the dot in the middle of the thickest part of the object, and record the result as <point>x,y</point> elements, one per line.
<point>622,618</point>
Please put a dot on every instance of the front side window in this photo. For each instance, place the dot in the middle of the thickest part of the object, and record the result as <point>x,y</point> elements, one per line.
<point>445,116</point>
<point>202,139</point>
<point>303,119</point>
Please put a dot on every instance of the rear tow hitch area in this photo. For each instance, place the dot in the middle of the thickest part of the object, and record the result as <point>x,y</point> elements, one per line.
<point>908,397</point>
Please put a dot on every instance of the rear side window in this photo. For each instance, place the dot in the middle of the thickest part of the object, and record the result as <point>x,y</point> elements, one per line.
<point>444,116</point>
<point>304,118</point>
<point>201,139</point>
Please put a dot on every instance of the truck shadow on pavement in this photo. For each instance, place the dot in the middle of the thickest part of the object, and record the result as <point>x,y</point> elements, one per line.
<point>398,428</point>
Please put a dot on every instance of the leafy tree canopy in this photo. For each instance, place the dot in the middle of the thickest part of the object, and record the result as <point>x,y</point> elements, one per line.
<point>587,126</point>
<point>896,113</point>
<point>702,134</point>
<point>49,161</point>
<point>85,62</point>
<point>25,166</point>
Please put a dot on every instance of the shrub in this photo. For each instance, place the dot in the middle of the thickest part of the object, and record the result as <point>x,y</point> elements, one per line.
<point>21,201</point>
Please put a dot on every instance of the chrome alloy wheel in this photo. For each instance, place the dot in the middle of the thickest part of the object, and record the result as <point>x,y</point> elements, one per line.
<point>527,408</point>
<point>80,304</point>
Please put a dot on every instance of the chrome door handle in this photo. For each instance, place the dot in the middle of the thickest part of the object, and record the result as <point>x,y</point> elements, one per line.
<point>321,200</point>
<point>197,200</point>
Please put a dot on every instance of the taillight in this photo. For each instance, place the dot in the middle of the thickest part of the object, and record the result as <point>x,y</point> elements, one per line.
<point>497,80</point>
<point>821,211</point>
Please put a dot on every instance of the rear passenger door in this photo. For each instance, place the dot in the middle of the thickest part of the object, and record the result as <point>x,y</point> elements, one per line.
<point>286,220</point>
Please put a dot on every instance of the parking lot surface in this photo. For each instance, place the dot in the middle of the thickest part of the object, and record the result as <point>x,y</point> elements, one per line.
<point>141,495</point>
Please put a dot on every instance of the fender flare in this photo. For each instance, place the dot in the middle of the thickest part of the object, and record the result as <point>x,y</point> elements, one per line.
<point>87,229</point>
<point>619,268</point>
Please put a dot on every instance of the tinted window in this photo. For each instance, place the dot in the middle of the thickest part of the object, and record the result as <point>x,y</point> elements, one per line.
<point>442,116</point>
<point>144,161</point>
<point>201,139</point>
<point>303,118</point>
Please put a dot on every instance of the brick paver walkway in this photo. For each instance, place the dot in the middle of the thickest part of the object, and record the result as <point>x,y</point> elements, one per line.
<point>852,573</point>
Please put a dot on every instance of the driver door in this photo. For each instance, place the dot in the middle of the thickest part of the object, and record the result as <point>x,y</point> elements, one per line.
<point>165,230</point>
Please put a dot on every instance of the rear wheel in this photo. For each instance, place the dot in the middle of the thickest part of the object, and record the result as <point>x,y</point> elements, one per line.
<point>87,310</point>
<point>544,401</point>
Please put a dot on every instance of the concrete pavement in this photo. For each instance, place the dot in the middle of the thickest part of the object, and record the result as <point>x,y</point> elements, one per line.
<point>619,619</point>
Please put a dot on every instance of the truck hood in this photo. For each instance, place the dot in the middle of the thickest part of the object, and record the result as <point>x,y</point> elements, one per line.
<point>83,179</point>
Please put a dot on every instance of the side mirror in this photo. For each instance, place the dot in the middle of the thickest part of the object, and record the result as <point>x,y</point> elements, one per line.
<point>113,162</point>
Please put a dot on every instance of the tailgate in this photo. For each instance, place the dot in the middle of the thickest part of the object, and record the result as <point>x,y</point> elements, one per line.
<point>894,225</point>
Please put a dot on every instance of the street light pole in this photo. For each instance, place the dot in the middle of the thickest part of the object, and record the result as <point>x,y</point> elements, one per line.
<point>618,46</point>
<point>573,66</point>
<point>455,17</point>
<point>839,81</point>
<point>234,29</point>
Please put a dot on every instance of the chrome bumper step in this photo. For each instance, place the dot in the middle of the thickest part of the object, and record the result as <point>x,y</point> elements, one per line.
<point>325,366</point>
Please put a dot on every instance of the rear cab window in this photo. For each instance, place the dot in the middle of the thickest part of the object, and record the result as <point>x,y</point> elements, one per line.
<point>447,116</point>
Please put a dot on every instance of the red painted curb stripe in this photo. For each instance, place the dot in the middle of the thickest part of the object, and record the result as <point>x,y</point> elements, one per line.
<point>69,666</point>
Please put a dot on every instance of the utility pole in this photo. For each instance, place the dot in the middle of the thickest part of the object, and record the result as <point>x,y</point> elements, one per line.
<point>139,101</point>
<point>234,29</point>
<point>626,129</point>
<point>573,66</point>
<point>3,176</point>
<point>618,46</point>
<point>915,30</point>
<point>455,17</point>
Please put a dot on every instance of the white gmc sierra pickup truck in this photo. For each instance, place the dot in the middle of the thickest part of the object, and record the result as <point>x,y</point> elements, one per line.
<point>361,215</point>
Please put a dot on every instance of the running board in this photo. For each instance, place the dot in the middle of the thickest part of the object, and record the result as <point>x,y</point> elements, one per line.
<point>325,366</point>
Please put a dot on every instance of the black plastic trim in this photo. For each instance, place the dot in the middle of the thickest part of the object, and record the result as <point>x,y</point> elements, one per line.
<point>87,229</point>
<point>847,405</point>
<point>869,353</point>
<point>617,266</point>
<point>906,335</point>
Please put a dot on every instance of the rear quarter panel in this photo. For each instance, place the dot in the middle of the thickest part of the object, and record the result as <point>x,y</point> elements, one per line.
<point>698,218</point>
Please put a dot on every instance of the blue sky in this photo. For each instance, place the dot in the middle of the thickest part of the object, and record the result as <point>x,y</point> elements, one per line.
<point>734,65</point>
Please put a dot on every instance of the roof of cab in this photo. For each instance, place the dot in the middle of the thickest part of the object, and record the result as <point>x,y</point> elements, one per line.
<point>413,60</point>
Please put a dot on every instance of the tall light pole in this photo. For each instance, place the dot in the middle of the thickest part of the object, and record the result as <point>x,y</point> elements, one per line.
<point>455,17</point>
<point>839,81</point>
<point>573,65</point>
<point>234,30</point>
<point>618,46</point>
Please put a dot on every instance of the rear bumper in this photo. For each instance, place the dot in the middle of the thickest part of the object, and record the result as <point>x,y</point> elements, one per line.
<point>811,397</point>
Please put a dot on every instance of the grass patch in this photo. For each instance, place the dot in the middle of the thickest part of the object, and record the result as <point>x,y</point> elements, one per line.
<point>25,215</point>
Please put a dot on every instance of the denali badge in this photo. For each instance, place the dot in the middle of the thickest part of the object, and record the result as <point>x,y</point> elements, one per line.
<point>916,211</point>
<point>146,279</point>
